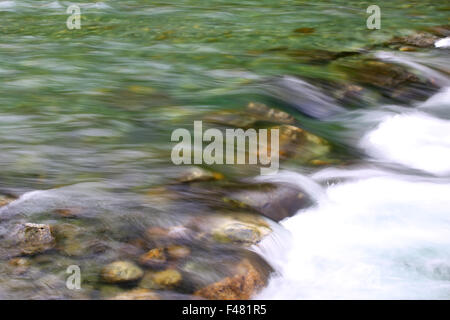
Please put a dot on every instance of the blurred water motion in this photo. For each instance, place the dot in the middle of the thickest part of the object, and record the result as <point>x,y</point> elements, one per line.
<point>86,118</point>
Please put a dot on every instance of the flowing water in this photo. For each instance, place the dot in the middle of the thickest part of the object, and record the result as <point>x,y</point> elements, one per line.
<point>86,117</point>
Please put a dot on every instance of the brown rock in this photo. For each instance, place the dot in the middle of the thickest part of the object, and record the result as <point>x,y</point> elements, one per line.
<point>264,113</point>
<point>153,258</point>
<point>5,200</point>
<point>68,212</point>
<point>238,232</point>
<point>440,31</point>
<point>165,279</point>
<point>34,238</point>
<point>419,39</point>
<point>121,271</point>
<point>20,265</point>
<point>242,286</point>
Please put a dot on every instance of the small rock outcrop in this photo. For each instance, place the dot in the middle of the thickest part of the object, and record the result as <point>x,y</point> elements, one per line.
<point>33,238</point>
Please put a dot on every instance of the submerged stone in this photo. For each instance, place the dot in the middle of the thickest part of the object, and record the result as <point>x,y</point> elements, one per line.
<point>34,238</point>
<point>238,233</point>
<point>243,285</point>
<point>178,252</point>
<point>5,200</point>
<point>247,232</point>
<point>420,40</point>
<point>137,294</point>
<point>273,201</point>
<point>165,279</point>
<point>196,174</point>
<point>20,265</point>
<point>121,271</point>
<point>153,258</point>
<point>265,113</point>
<point>440,31</point>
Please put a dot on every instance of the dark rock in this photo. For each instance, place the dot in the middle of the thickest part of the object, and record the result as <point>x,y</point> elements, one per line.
<point>302,96</point>
<point>273,201</point>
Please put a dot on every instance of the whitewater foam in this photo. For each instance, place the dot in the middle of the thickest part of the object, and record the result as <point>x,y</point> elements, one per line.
<point>415,140</point>
<point>376,238</point>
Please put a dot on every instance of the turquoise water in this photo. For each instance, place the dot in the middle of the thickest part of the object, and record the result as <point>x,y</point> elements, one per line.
<point>87,114</point>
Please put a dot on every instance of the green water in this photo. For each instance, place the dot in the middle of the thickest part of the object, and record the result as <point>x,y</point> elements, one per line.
<point>92,110</point>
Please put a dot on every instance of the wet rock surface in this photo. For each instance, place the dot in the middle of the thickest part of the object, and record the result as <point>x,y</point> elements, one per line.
<point>137,294</point>
<point>33,238</point>
<point>243,285</point>
<point>272,201</point>
<point>121,271</point>
<point>153,258</point>
<point>394,81</point>
<point>420,40</point>
<point>165,279</point>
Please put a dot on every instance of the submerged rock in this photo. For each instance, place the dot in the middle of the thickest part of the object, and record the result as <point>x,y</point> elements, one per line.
<point>238,233</point>
<point>299,144</point>
<point>254,113</point>
<point>34,238</point>
<point>391,80</point>
<point>137,294</point>
<point>178,252</point>
<point>243,285</point>
<point>420,40</point>
<point>301,96</point>
<point>165,279</point>
<point>163,236</point>
<point>236,228</point>
<point>121,271</point>
<point>378,73</point>
<point>316,56</point>
<point>153,258</point>
<point>20,265</point>
<point>5,200</point>
<point>198,174</point>
<point>232,119</point>
<point>264,113</point>
<point>273,201</point>
<point>440,31</point>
